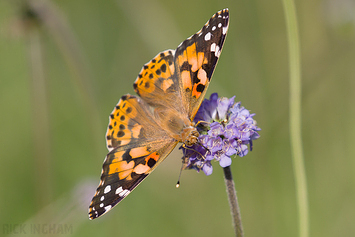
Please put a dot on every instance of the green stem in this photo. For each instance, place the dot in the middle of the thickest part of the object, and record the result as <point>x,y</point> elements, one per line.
<point>233,202</point>
<point>295,116</point>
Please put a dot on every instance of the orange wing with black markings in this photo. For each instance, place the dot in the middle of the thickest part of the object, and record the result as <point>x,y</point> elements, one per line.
<point>137,145</point>
<point>129,122</point>
<point>124,168</point>
<point>156,83</point>
<point>196,58</point>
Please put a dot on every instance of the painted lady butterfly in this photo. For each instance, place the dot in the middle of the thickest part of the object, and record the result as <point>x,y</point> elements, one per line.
<point>144,129</point>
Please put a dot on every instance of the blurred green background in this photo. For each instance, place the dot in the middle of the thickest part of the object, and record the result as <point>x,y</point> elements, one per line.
<point>64,65</point>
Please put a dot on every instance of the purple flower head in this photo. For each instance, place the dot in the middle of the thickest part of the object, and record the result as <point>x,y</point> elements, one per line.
<point>227,128</point>
<point>207,109</point>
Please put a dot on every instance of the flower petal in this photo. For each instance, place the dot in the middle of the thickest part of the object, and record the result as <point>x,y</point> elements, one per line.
<point>223,106</point>
<point>225,161</point>
<point>207,168</point>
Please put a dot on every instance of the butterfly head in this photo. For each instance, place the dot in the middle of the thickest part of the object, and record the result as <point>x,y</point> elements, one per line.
<point>189,136</point>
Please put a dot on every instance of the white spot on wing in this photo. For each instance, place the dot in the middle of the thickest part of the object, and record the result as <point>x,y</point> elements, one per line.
<point>217,52</point>
<point>219,25</point>
<point>107,189</point>
<point>213,28</point>
<point>107,208</point>
<point>224,30</point>
<point>101,204</point>
<point>102,198</point>
<point>208,36</point>
<point>213,47</point>
<point>124,193</point>
<point>118,190</point>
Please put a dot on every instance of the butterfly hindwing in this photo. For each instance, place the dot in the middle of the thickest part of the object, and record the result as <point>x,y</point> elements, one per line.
<point>156,83</point>
<point>196,58</point>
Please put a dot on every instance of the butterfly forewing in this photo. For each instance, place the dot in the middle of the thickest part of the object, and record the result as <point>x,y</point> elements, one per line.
<point>124,168</point>
<point>196,58</point>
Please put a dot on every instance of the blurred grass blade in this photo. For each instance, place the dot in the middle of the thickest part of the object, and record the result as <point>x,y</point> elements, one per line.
<point>41,134</point>
<point>295,117</point>
<point>55,23</point>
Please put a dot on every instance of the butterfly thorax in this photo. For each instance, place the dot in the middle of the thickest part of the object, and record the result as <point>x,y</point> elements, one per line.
<point>177,124</point>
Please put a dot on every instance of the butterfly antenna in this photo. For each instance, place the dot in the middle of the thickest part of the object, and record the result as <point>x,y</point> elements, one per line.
<point>183,166</point>
<point>185,160</point>
<point>178,182</point>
